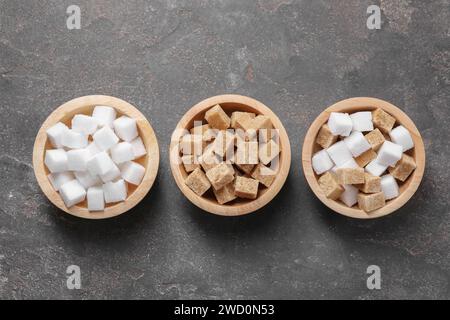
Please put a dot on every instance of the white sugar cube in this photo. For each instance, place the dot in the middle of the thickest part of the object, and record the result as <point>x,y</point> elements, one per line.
<point>74,140</point>
<point>362,121</point>
<point>100,164</point>
<point>125,127</point>
<point>56,160</point>
<point>132,172</point>
<point>84,124</point>
<point>348,164</point>
<point>389,153</point>
<point>122,152</point>
<point>339,153</point>
<point>77,159</point>
<point>357,143</point>
<point>401,136</point>
<point>105,138</point>
<point>104,115</point>
<point>57,179</point>
<point>340,124</point>
<point>375,168</point>
<point>389,187</point>
<point>55,134</point>
<point>95,199</point>
<point>72,192</point>
<point>321,162</point>
<point>86,179</point>
<point>115,191</point>
<point>349,196</point>
<point>93,149</point>
<point>138,147</point>
<point>111,175</point>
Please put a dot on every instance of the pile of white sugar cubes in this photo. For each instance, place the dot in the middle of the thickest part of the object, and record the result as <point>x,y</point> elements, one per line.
<point>93,159</point>
<point>358,149</point>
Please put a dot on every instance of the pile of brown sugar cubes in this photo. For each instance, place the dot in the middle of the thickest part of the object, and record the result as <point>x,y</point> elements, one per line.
<point>351,164</point>
<point>235,156</point>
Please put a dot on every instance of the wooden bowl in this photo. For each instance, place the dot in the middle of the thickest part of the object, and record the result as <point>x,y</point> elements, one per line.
<point>230,103</point>
<point>407,188</point>
<point>85,105</point>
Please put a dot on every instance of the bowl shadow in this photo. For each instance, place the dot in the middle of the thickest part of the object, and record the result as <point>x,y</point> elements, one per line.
<point>350,229</point>
<point>259,224</point>
<point>109,232</point>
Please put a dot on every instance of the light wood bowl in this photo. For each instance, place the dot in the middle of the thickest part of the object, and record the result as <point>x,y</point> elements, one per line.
<point>85,105</point>
<point>407,188</point>
<point>207,202</point>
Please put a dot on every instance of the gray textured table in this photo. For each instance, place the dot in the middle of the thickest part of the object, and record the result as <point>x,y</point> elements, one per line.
<point>298,57</point>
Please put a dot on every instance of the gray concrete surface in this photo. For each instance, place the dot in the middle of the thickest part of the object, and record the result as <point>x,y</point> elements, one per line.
<point>298,57</point>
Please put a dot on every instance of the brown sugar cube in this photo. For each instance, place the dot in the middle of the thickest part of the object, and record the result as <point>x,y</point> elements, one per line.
<point>244,123</point>
<point>375,138</point>
<point>383,120</point>
<point>247,152</point>
<point>217,118</point>
<point>263,125</point>
<point>190,163</point>
<point>225,194</point>
<point>242,152</point>
<point>199,129</point>
<point>265,134</point>
<point>246,168</point>
<point>403,168</point>
<point>325,138</point>
<point>252,126</point>
<point>364,159</point>
<point>230,158</point>
<point>245,135</point>
<point>220,175</point>
<point>238,117</point>
<point>268,151</point>
<point>231,167</point>
<point>372,184</point>
<point>350,175</point>
<point>246,187</point>
<point>224,143</point>
<point>261,122</point>
<point>329,185</point>
<point>264,175</point>
<point>371,202</point>
<point>209,159</point>
<point>191,144</point>
<point>275,164</point>
<point>198,182</point>
<point>204,131</point>
<point>210,134</point>
<point>252,152</point>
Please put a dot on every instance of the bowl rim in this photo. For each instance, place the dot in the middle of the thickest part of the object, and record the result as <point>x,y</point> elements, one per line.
<point>252,205</point>
<point>121,106</point>
<point>402,118</point>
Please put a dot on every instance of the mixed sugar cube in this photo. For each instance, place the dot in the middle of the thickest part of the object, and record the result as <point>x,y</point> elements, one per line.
<point>363,158</point>
<point>93,160</point>
<point>232,155</point>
